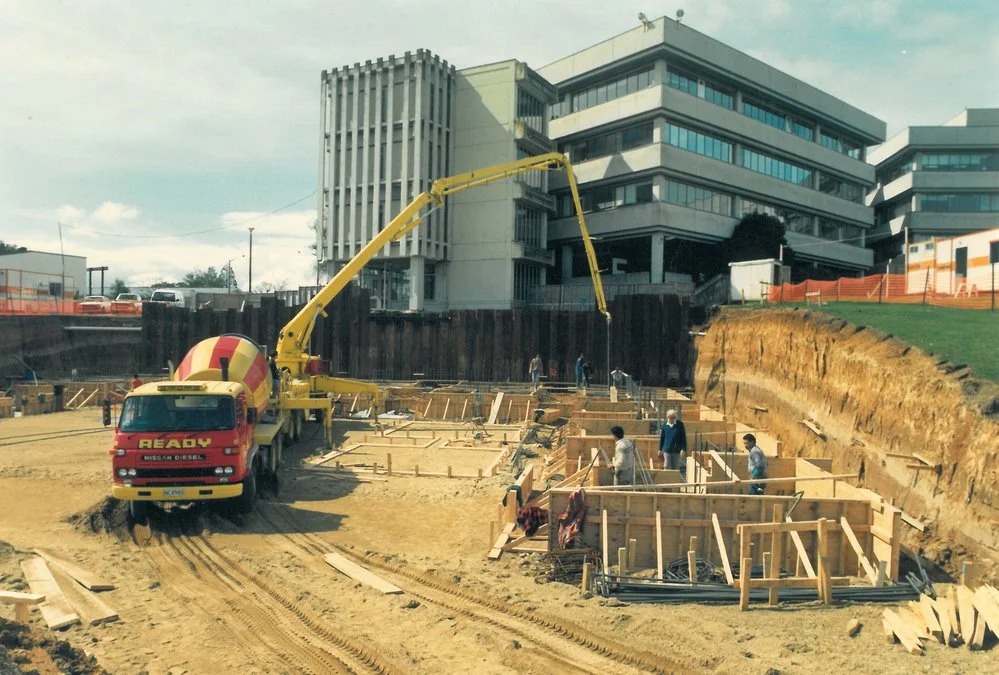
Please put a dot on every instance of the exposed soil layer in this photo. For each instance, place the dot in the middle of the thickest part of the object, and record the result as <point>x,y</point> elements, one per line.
<point>35,652</point>
<point>879,404</point>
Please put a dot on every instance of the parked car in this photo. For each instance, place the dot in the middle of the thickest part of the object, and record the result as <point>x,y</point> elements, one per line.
<point>127,303</point>
<point>168,296</point>
<point>95,304</point>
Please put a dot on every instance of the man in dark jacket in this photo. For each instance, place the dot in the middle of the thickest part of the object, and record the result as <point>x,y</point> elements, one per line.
<point>673,444</point>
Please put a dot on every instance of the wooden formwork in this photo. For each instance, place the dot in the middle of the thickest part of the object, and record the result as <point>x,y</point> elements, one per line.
<point>663,523</point>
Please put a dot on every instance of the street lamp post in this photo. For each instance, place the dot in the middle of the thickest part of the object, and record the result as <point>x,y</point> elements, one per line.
<point>249,286</point>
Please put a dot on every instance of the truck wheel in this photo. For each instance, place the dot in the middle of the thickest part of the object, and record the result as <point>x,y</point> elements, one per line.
<point>297,422</point>
<point>138,512</point>
<point>246,501</point>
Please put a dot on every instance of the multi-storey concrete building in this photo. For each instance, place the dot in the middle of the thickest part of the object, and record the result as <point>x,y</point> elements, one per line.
<point>675,136</point>
<point>938,181</point>
<point>385,137</point>
<point>498,248</point>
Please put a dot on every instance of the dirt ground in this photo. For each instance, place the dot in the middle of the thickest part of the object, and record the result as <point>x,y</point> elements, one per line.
<point>206,595</point>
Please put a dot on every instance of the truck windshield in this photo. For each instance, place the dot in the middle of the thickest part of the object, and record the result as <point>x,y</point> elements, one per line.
<point>177,413</point>
<point>164,296</point>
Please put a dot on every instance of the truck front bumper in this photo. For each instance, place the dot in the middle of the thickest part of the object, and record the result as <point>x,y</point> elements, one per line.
<point>190,493</point>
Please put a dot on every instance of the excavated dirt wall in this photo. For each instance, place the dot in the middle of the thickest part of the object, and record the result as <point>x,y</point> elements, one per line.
<point>871,396</point>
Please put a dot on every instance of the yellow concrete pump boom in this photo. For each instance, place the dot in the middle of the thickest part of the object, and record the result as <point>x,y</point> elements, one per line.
<point>293,342</point>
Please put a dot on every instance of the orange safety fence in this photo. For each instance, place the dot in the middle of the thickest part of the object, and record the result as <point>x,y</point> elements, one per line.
<point>877,288</point>
<point>35,307</point>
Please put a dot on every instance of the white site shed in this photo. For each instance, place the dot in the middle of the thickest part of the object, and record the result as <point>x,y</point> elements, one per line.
<point>751,279</point>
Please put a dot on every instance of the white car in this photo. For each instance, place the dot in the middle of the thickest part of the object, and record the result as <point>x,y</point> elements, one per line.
<point>95,304</point>
<point>169,296</point>
<point>127,303</point>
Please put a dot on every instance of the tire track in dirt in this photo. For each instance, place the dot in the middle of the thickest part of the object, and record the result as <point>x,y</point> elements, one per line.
<point>254,613</point>
<point>540,628</point>
<point>361,654</point>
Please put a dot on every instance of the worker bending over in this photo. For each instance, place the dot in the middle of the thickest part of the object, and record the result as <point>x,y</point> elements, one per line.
<point>757,464</point>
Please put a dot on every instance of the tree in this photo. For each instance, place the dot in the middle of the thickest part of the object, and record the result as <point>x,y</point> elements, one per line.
<point>10,248</point>
<point>270,287</point>
<point>118,287</point>
<point>208,278</point>
<point>756,237</point>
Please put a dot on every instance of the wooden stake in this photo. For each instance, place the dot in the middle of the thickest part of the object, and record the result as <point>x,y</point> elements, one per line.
<point>659,544</point>
<point>745,570</point>
<point>447,404</point>
<point>966,574</point>
<point>449,474</point>
<point>622,561</point>
<point>766,563</point>
<point>463,406</point>
<point>480,472</point>
<point>492,532</point>
<point>587,570</point>
<point>388,471</point>
<point>692,560</point>
<point>603,539</point>
<point>416,469</point>
<point>882,573</point>
<point>632,548</point>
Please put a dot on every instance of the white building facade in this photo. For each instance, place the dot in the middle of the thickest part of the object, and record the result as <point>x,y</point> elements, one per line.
<point>937,181</point>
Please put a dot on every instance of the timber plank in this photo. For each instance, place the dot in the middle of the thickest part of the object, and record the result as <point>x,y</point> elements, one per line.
<point>722,549</point>
<point>81,576</point>
<point>905,634</point>
<point>56,610</point>
<point>90,608</point>
<point>358,573</point>
<point>966,614</point>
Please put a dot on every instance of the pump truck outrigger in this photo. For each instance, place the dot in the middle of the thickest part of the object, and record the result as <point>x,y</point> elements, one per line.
<point>217,429</point>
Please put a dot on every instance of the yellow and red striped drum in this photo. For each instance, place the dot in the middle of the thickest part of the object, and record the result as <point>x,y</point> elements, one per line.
<point>246,364</point>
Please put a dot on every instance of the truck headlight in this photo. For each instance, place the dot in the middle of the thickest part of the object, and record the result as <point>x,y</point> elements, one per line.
<point>228,451</point>
<point>121,452</point>
<point>122,473</point>
<point>218,471</point>
<point>131,472</point>
<point>228,470</point>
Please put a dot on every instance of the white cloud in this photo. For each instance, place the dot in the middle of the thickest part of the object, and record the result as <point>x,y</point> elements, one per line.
<point>110,213</point>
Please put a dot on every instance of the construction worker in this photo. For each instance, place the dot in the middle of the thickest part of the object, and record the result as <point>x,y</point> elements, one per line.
<point>757,464</point>
<point>534,370</point>
<point>581,372</point>
<point>136,382</point>
<point>624,458</point>
<point>673,445</point>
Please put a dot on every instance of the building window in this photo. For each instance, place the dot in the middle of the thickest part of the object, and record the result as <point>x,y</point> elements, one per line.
<point>560,109</point>
<point>530,111</point>
<point>839,145</point>
<point>698,198</point>
<point>611,143</point>
<point>429,281</point>
<point>801,130</point>
<point>608,91</point>
<point>607,197</point>
<point>718,97</point>
<point>960,203</point>
<point>793,221</point>
<point>763,114</point>
<point>684,83</point>
<point>776,168</point>
<point>534,179</point>
<point>528,227</point>
<point>840,188</point>
<point>712,94</point>
<point>979,161</point>
<point>695,141</point>
<point>828,229</point>
<point>525,278</point>
<point>897,170</point>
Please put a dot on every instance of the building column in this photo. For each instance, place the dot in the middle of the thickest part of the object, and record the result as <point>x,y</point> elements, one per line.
<point>738,101</point>
<point>656,261</point>
<point>566,263</point>
<point>416,265</point>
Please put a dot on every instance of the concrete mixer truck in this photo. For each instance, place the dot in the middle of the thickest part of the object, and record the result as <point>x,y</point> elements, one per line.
<point>215,431</point>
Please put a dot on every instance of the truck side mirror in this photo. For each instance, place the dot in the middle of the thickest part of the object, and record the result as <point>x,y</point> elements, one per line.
<point>251,415</point>
<point>106,412</point>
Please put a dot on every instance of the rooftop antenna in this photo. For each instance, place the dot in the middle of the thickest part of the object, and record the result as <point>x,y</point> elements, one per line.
<point>679,15</point>
<point>645,21</point>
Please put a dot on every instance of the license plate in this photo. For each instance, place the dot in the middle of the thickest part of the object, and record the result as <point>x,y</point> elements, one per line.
<point>173,492</point>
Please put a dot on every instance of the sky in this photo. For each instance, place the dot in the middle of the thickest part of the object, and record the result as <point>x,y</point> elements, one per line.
<point>153,134</point>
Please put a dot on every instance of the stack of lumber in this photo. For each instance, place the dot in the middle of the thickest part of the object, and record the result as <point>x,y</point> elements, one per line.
<point>69,591</point>
<point>959,616</point>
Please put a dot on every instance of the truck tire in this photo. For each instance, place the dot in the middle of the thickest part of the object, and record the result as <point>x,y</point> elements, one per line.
<point>299,421</point>
<point>245,503</point>
<point>138,512</point>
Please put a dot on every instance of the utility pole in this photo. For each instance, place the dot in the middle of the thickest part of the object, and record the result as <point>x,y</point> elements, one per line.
<point>249,286</point>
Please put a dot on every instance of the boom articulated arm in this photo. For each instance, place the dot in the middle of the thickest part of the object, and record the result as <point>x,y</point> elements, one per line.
<point>293,342</point>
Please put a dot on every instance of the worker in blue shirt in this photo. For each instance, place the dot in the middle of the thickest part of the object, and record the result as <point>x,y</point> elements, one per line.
<point>673,445</point>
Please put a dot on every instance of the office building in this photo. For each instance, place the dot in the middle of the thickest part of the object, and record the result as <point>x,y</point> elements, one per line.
<point>675,136</point>
<point>936,181</point>
<point>385,137</point>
